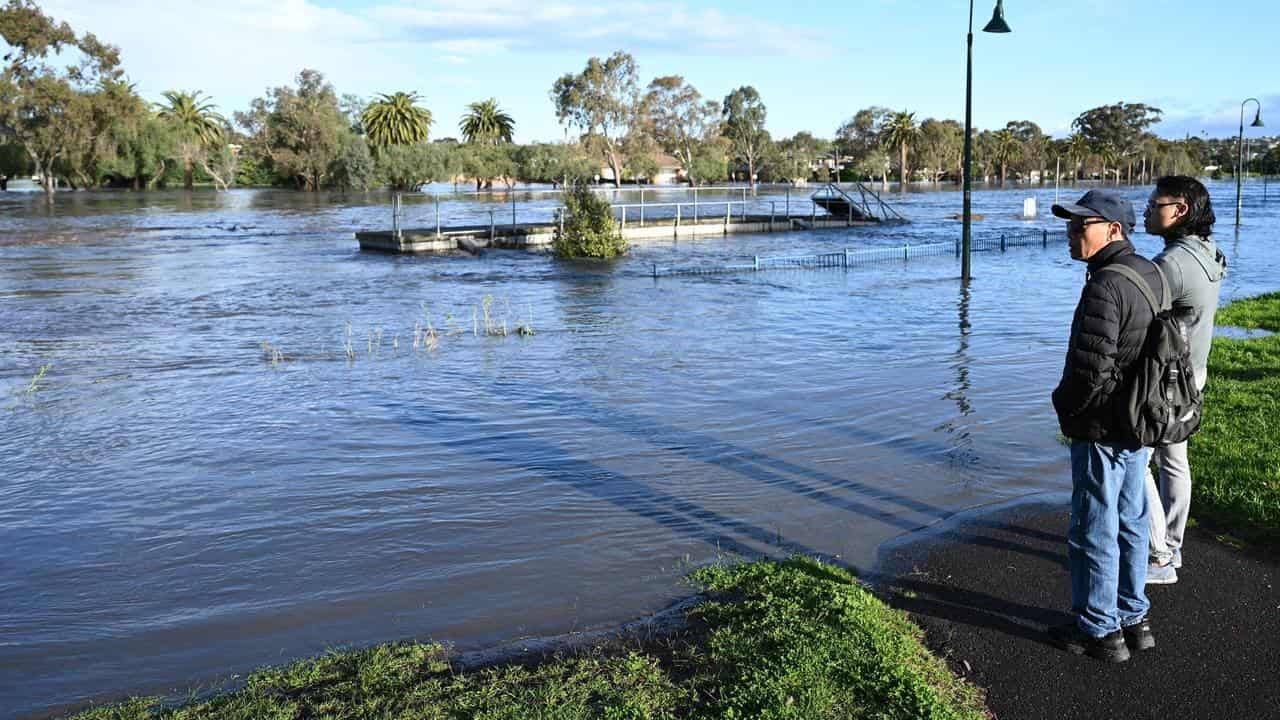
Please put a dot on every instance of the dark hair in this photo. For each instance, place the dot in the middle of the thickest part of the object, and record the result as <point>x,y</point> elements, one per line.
<point>1199,219</point>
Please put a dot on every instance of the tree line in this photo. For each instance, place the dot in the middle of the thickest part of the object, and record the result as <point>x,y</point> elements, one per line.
<point>84,125</point>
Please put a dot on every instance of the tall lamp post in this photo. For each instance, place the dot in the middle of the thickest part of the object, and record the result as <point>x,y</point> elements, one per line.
<point>1257,122</point>
<point>997,25</point>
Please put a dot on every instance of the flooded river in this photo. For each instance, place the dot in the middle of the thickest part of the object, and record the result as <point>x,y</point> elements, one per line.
<point>180,503</point>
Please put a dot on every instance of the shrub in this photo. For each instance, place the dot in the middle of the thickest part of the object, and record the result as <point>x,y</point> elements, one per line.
<point>588,229</point>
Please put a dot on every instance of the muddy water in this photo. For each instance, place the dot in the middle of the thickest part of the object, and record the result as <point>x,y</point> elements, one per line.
<point>178,505</point>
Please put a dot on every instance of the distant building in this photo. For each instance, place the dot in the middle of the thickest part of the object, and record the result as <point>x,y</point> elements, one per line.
<point>670,171</point>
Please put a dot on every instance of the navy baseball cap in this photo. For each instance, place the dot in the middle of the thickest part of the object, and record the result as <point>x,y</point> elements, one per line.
<point>1099,203</point>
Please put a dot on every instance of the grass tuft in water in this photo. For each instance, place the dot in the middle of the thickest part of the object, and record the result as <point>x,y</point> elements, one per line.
<point>795,639</point>
<point>35,385</point>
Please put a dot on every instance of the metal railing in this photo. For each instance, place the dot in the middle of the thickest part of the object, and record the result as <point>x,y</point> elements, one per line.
<point>518,207</point>
<point>867,255</point>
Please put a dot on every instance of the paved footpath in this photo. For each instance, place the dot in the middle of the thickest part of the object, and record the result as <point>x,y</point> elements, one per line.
<point>986,585</point>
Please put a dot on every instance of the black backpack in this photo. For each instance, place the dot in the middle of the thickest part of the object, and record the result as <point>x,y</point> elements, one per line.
<point>1162,404</point>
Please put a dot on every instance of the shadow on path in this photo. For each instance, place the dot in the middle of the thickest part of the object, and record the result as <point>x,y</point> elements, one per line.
<point>985,609</point>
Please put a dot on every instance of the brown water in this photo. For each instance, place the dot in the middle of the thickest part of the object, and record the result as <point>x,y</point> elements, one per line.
<point>176,508</point>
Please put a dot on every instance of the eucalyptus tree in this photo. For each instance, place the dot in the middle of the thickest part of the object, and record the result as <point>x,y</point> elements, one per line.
<point>44,109</point>
<point>487,124</point>
<point>600,101</point>
<point>298,130</point>
<point>396,119</point>
<point>900,131</point>
<point>13,163</point>
<point>680,120</point>
<point>744,116</point>
<point>860,134</point>
<point>1031,156</point>
<point>941,147</point>
<point>1119,126</point>
<point>197,125</point>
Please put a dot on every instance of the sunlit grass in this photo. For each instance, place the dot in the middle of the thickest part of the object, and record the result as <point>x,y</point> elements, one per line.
<point>1235,458</point>
<point>795,639</point>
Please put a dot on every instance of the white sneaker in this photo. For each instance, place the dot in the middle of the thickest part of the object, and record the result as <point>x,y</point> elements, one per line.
<point>1161,574</point>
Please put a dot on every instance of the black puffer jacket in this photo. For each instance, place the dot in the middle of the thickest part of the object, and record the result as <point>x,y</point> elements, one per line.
<point>1107,334</point>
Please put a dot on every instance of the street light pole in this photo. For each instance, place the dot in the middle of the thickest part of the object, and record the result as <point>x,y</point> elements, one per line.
<point>1257,122</point>
<point>997,25</point>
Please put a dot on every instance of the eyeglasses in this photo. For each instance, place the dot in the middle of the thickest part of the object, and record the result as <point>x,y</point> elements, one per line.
<point>1154,205</point>
<point>1078,226</point>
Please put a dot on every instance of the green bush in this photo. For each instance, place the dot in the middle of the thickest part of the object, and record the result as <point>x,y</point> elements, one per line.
<point>588,229</point>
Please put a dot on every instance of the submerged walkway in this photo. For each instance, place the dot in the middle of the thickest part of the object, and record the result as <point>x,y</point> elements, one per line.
<point>985,586</point>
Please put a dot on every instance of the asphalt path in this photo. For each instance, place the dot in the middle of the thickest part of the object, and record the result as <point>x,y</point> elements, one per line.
<point>986,585</point>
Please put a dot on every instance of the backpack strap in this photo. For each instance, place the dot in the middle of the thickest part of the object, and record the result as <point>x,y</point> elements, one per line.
<point>1145,287</point>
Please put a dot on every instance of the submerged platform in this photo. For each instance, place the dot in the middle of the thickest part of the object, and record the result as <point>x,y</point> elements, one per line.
<point>533,236</point>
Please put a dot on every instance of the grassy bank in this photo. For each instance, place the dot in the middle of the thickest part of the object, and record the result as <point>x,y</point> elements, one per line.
<point>795,639</point>
<point>1235,458</point>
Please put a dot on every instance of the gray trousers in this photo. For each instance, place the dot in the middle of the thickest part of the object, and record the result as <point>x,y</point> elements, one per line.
<point>1169,496</point>
<point>1169,499</point>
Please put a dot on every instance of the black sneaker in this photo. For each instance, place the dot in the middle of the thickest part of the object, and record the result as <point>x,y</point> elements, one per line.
<point>1109,648</point>
<point>1138,635</point>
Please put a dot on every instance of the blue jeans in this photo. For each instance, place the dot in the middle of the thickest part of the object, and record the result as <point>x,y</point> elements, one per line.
<point>1107,541</point>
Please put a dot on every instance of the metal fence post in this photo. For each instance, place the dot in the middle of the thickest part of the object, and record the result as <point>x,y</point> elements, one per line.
<point>437,197</point>
<point>904,252</point>
<point>513,210</point>
<point>492,228</point>
<point>624,217</point>
<point>1045,240</point>
<point>641,206</point>
<point>395,216</point>
<point>1001,242</point>
<point>788,189</point>
<point>844,259</point>
<point>957,248</point>
<point>560,213</point>
<point>695,205</point>
<point>756,262</point>
<point>772,206</point>
<point>677,217</point>
<point>727,210</point>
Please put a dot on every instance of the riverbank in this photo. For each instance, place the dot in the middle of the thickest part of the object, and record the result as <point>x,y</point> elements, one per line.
<point>791,639</point>
<point>1235,458</point>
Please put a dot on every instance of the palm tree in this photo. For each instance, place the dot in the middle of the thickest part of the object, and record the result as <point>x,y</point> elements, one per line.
<point>1078,147</point>
<point>900,130</point>
<point>486,124</point>
<point>1110,155</point>
<point>1007,149</point>
<point>197,122</point>
<point>396,120</point>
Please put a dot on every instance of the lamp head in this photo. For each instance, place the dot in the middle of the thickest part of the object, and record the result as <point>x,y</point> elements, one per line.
<point>997,24</point>
<point>1257,119</point>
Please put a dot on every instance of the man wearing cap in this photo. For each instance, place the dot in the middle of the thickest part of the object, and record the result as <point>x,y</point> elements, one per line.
<point>1107,539</point>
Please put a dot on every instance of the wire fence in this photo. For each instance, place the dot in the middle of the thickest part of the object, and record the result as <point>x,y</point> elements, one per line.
<point>868,255</point>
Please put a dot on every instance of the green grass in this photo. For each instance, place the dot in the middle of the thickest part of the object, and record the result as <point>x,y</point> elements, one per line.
<point>794,639</point>
<point>1235,458</point>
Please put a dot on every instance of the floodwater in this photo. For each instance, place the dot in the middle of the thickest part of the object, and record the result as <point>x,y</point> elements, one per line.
<point>178,505</point>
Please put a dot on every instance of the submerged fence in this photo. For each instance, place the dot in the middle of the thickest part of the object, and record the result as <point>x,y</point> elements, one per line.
<point>868,255</point>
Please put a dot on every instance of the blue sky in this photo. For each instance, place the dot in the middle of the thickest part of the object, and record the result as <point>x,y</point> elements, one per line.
<point>814,63</point>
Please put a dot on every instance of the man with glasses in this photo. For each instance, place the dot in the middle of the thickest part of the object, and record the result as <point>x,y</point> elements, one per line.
<point>1180,211</point>
<point>1107,540</point>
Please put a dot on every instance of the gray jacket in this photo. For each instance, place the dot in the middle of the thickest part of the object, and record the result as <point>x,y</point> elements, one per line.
<point>1194,268</point>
